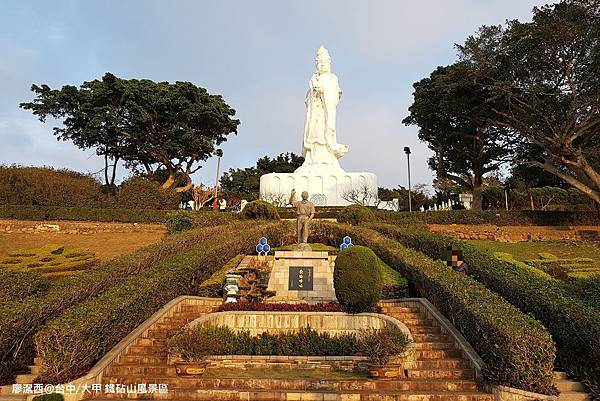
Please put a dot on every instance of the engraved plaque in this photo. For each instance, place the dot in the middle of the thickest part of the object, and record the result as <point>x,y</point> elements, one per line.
<point>301,279</point>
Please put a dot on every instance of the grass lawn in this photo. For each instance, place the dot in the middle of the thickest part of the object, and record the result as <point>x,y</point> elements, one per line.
<point>530,251</point>
<point>281,373</point>
<point>105,245</point>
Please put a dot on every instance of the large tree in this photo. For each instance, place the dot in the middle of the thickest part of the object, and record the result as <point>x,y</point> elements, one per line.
<point>546,74</point>
<point>162,128</point>
<point>245,182</point>
<point>453,117</point>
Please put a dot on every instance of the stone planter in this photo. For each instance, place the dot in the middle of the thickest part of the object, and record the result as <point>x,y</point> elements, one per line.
<point>190,368</point>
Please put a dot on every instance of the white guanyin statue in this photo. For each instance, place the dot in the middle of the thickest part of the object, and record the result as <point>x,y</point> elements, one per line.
<point>320,148</point>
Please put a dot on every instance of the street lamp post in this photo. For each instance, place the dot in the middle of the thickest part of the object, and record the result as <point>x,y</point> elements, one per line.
<point>407,151</point>
<point>219,154</point>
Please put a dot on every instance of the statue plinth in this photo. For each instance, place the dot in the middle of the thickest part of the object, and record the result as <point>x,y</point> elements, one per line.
<point>326,189</point>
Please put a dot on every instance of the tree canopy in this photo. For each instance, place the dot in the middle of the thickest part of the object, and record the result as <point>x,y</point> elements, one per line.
<point>454,120</point>
<point>159,128</point>
<point>245,182</point>
<point>544,80</point>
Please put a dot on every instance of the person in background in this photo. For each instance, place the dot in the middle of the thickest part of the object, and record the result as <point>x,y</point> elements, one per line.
<point>455,260</point>
<point>215,205</point>
<point>222,205</point>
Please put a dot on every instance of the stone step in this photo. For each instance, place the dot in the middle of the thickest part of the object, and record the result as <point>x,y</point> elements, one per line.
<point>434,346</point>
<point>417,322</point>
<point>407,315</point>
<point>275,395</point>
<point>298,384</point>
<point>142,360</point>
<point>161,333</point>
<point>424,329</point>
<point>559,375</point>
<point>437,354</point>
<point>574,396</point>
<point>147,350</point>
<point>393,310</point>
<point>34,369</point>
<point>442,338</point>
<point>145,341</point>
<point>454,363</point>
<point>141,370</point>
<point>569,385</point>
<point>464,374</point>
<point>25,378</point>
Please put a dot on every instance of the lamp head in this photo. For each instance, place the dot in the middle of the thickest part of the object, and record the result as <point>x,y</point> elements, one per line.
<point>407,150</point>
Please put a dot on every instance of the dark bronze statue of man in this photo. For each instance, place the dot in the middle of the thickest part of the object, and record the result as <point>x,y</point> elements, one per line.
<point>306,212</point>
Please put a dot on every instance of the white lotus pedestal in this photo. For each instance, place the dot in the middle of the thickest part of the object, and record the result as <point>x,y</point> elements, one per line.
<point>325,189</point>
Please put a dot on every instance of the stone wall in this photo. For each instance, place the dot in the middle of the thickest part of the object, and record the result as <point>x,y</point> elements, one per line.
<point>517,233</point>
<point>75,227</point>
<point>333,323</point>
<point>322,363</point>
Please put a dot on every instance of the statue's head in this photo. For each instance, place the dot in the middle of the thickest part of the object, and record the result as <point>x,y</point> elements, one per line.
<point>304,195</point>
<point>323,60</point>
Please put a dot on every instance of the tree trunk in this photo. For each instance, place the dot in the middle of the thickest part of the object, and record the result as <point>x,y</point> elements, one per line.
<point>106,170</point>
<point>532,203</point>
<point>168,184</point>
<point>477,192</point>
<point>114,171</point>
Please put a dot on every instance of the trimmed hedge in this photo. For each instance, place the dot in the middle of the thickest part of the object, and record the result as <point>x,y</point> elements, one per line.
<point>140,193</point>
<point>199,219</point>
<point>357,279</point>
<point>195,344</point>
<point>19,321</point>
<point>260,210</point>
<point>356,214</point>
<point>575,327</point>
<point>48,187</point>
<point>213,286</point>
<point>73,342</point>
<point>19,285</point>
<point>43,186</point>
<point>517,350</point>
<point>496,217</point>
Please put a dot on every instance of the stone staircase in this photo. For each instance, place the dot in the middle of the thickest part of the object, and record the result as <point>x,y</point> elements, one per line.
<point>441,373</point>
<point>570,390</point>
<point>6,392</point>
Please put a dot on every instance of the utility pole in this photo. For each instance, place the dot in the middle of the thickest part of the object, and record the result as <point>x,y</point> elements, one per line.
<point>219,154</point>
<point>407,151</point>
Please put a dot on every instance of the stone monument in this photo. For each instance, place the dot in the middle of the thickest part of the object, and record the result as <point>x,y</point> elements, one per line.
<point>321,173</point>
<point>306,212</point>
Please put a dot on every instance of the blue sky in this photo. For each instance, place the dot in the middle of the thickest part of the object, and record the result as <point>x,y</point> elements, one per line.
<point>258,54</point>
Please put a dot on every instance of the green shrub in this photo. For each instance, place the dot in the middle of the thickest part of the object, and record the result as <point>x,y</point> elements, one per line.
<point>355,215</point>
<point>20,320</point>
<point>44,186</point>
<point>195,344</point>
<point>381,345</point>
<point>394,285</point>
<point>357,279</point>
<point>517,350</point>
<point>142,193</point>
<point>50,260</point>
<point>70,344</point>
<point>575,327</point>
<point>19,285</point>
<point>213,286</point>
<point>200,219</point>
<point>260,210</point>
<point>180,220</point>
